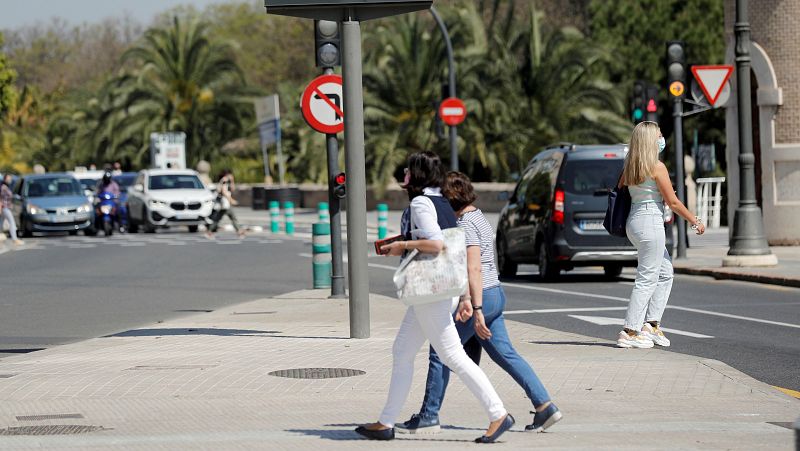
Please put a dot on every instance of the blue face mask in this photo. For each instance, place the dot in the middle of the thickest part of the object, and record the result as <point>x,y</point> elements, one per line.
<point>662,144</point>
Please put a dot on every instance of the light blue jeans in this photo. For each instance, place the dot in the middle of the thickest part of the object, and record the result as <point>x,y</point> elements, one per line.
<point>645,229</point>
<point>8,216</point>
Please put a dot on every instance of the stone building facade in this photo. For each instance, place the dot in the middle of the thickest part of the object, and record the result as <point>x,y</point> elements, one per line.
<point>775,53</point>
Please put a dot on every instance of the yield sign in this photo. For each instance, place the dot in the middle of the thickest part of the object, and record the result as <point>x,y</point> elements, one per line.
<point>321,104</point>
<point>712,79</point>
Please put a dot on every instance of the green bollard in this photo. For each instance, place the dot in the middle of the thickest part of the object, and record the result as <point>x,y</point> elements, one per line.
<point>321,263</point>
<point>324,212</point>
<point>383,220</point>
<point>288,214</point>
<point>274,216</point>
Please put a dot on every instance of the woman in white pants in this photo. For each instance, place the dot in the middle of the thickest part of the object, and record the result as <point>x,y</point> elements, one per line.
<point>429,214</point>
<point>6,203</point>
<point>648,181</point>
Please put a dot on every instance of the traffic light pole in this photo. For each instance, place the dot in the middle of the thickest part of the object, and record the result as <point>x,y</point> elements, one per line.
<point>355,167</point>
<point>677,115</point>
<point>748,244</point>
<point>451,72</point>
<point>337,275</point>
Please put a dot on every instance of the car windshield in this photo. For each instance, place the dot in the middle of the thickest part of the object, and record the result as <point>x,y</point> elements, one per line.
<point>589,176</point>
<point>54,187</point>
<point>125,181</point>
<point>89,184</point>
<point>175,181</point>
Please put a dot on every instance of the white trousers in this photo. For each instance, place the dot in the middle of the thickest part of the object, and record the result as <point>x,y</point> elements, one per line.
<point>434,322</point>
<point>645,229</point>
<point>8,216</point>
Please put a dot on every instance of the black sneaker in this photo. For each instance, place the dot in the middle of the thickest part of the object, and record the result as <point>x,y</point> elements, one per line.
<point>419,425</point>
<point>385,434</point>
<point>544,419</point>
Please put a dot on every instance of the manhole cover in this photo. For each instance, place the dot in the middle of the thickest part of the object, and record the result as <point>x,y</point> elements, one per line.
<point>50,416</point>
<point>317,373</point>
<point>55,429</point>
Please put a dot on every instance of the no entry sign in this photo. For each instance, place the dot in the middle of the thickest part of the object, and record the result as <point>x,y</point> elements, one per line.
<point>452,111</point>
<point>322,104</point>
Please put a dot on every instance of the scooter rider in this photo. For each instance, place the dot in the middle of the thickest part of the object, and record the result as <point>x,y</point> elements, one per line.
<point>108,185</point>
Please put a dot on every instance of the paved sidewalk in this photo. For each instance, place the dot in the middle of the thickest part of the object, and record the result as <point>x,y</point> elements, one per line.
<point>704,258</point>
<point>202,382</point>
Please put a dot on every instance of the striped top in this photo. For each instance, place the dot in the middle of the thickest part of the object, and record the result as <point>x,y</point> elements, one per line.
<point>479,232</point>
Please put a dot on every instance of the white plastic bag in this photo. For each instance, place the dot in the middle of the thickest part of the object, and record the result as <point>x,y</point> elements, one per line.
<point>424,278</point>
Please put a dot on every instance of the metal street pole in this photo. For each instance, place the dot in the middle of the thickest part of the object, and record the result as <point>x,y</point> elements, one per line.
<point>356,178</point>
<point>264,154</point>
<point>337,275</point>
<point>677,115</point>
<point>451,69</point>
<point>748,237</point>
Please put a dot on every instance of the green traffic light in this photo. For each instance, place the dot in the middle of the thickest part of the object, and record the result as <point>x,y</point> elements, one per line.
<point>638,114</point>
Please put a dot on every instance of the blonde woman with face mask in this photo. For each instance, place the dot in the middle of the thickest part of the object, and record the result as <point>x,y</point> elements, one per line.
<point>648,181</point>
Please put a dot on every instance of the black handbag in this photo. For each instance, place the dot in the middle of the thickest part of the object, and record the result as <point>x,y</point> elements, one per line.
<point>619,207</point>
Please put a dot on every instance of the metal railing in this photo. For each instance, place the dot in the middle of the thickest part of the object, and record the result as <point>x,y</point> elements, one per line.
<point>709,200</point>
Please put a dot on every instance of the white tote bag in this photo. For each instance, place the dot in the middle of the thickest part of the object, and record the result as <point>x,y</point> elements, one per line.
<point>424,278</point>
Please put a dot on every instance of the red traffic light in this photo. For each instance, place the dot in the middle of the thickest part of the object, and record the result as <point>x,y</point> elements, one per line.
<point>652,107</point>
<point>340,178</point>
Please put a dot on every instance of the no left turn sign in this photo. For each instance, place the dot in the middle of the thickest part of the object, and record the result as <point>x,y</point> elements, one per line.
<point>322,104</point>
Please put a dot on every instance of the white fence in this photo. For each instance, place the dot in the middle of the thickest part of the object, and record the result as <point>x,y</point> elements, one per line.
<point>709,206</point>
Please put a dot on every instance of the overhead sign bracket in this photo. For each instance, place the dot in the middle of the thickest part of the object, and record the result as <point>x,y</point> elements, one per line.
<point>343,10</point>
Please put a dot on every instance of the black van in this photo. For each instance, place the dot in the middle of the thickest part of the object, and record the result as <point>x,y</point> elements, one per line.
<point>554,217</point>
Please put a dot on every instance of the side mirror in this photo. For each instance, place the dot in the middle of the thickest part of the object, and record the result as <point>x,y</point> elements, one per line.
<point>138,187</point>
<point>503,196</point>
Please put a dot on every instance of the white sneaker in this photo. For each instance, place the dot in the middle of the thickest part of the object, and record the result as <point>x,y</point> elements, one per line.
<point>2,236</point>
<point>655,334</point>
<point>636,341</point>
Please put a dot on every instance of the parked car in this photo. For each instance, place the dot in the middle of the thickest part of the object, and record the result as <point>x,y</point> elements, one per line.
<point>554,217</point>
<point>168,197</point>
<point>53,202</point>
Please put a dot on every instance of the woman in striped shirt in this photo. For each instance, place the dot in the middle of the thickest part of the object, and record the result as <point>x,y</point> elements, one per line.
<point>480,313</point>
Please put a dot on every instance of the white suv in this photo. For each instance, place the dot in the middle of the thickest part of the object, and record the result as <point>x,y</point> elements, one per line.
<point>168,197</point>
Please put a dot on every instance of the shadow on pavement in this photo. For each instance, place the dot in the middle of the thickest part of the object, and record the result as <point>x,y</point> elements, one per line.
<point>574,343</point>
<point>330,434</point>
<point>191,331</point>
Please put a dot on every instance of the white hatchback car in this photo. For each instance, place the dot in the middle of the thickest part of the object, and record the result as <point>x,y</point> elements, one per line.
<point>168,197</point>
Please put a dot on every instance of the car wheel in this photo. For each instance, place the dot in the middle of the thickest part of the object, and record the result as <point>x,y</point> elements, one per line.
<point>507,267</point>
<point>548,270</point>
<point>148,228</point>
<point>612,271</point>
<point>23,230</point>
<point>192,229</point>
<point>133,226</point>
<point>90,231</point>
<point>73,232</point>
<point>108,228</point>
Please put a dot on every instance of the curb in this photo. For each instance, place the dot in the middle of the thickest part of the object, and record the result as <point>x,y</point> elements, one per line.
<point>745,277</point>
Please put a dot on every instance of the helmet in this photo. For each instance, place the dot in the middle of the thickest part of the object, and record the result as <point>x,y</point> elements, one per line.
<point>107,177</point>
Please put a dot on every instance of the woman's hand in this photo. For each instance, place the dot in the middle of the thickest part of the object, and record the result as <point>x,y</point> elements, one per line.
<point>699,228</point>
<point>480,326</point>
<point>394,249</point>
<point>464,312</point>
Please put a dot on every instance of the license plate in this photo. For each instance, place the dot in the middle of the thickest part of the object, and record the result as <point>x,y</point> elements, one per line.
<point>62,218</point>
<point>591,225</point>
<point>185,216</point>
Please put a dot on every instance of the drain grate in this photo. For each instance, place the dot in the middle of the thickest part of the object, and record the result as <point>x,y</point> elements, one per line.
<point>171,367</point>
<point>50,416</point>
<point>317,373</point>
<point>56,429</point>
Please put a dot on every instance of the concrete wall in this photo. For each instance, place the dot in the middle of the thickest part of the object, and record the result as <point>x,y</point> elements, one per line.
<point>775,57</point>
<point>490,196</point>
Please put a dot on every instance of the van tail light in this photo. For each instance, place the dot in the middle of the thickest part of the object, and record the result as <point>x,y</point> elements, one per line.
<point>669,217</point>
<point>558,207</point>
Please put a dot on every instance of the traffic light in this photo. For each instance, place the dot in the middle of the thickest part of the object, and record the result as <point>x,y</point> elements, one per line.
<point>651,104</point>
<point>676,68</point>
<point>638,101</point>
<point>339,188</point>
<point>327,43</point>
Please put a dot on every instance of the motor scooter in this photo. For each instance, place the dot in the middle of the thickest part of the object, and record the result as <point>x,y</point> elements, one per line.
<point>106,212</point>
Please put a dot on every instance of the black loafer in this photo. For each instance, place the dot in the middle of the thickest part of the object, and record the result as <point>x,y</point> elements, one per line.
<point>385,434</point>
<point>507,423</point>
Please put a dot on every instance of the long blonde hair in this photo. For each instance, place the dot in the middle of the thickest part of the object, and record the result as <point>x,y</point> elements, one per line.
<point>642,158</point>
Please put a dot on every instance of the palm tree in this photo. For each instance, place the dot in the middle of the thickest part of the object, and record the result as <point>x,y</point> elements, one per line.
<point>181,81</point>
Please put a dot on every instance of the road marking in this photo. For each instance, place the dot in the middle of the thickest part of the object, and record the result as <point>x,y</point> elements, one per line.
<point>604,321</point>
<point>673,307</point>
<point>788,391</point>
<point>564,310</point>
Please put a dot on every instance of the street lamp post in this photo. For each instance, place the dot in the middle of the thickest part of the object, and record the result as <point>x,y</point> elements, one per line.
<point>451,69</point>
<point>748,244</point>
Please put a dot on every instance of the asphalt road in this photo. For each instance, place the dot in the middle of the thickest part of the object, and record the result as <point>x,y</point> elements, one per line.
<point>62,289</point>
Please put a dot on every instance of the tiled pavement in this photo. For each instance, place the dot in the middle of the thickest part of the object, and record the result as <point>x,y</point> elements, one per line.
<point>201,382</point>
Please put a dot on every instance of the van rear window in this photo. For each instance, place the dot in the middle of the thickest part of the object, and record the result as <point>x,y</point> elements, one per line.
<point>588,176</point>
